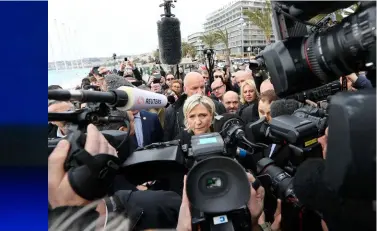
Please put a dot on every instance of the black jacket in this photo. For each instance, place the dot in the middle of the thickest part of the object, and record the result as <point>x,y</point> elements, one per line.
<point>174,117</point>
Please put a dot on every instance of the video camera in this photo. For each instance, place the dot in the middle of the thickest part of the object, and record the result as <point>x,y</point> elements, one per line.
<point>91,176</point>
<point>297,133</point>
<point>322,56</point>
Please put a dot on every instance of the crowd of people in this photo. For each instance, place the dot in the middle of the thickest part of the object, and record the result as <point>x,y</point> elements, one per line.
<point>194,101</point>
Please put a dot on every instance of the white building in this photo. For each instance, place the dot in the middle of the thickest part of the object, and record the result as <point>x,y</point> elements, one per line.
<point>194,39</point>
<point>244,37</point>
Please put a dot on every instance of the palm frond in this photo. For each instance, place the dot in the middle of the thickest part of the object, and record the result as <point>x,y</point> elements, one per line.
<point>262,19</point>
<point>210,39</point>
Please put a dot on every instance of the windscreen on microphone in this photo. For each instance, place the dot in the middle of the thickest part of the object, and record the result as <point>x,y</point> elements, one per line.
<point>222,122</point>
<point>139,99</point>
<point>308,183</point>
<point>169,40</point>
<point>284,107</point>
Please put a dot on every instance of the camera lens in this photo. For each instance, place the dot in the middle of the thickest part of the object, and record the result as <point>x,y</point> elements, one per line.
<point>217,184</point>
<point>342,49</point>
<point>279,180</point>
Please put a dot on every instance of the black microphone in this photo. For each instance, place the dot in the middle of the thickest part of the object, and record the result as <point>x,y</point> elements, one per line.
<point>284,107</point>
<point>169,36</point>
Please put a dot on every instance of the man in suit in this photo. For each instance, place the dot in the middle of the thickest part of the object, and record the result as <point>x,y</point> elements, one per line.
<point>147,128</point>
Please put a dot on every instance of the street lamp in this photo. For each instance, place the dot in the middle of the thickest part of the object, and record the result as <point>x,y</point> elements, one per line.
<point>241,26</point>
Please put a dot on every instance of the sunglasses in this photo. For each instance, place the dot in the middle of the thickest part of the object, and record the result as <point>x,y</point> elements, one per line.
<point>218,76</point>
<point>103,74</point>
<point>169,79</point>
<point>205,77</point>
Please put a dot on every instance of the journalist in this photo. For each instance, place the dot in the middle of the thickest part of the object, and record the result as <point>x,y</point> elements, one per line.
<point>125,210</point>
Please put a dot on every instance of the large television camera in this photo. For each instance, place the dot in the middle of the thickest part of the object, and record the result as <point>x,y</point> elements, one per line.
<point>303,59</point>
<point>297,134</point>
<point>216,185</point>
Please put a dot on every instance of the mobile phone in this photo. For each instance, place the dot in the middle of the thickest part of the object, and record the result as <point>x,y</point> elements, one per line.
<point>125,59</point>
<point>157,76</point>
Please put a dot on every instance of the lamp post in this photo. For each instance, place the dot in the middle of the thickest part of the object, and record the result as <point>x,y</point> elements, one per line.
<point>241,26</point>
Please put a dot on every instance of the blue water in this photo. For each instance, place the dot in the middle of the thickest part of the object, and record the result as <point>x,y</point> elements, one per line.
<point>67,78</point>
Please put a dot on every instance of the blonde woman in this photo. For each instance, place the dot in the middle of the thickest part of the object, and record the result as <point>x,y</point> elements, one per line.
<point>249,96</point>
<point>199,112</point>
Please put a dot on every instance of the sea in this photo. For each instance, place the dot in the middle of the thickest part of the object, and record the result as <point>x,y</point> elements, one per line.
<point>67,79</point>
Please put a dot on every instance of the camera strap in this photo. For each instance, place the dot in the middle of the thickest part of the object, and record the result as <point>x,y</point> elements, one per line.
<point>95,174</point>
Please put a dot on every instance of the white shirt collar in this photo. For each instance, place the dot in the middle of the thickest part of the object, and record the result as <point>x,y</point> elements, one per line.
<point>59,133</point>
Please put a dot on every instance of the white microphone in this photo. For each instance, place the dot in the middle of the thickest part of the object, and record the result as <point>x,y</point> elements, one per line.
<point>124,98</point>
<point>140,99</point>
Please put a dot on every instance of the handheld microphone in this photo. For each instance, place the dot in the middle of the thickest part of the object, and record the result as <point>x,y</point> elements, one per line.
<point>284,107</point>
<point>169,36</point>
<point>124,98</point>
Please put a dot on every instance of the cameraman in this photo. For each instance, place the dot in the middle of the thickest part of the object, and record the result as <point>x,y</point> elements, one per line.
<point>355,82</point>
<point>135,210</point>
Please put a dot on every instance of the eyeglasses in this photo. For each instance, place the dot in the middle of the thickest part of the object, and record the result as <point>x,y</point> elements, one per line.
<point>218,76</point>
<point>217,88</point>
<point>169,79</point>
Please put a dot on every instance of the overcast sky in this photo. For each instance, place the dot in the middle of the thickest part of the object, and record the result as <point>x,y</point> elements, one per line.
<point>121,26</point>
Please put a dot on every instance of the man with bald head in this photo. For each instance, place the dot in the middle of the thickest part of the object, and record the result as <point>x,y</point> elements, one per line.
<point>242,76</point>
<point>231,101</point>
<point>193,84</point>
<point>266,85</point>
<point>174,118</point>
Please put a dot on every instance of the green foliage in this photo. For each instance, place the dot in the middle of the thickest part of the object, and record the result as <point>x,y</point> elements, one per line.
<point>210,39</point>
<point>262,19</point>
<point>188,50</point>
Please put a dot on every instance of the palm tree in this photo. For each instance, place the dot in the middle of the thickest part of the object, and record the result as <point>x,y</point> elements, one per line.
<point>210,39</point>
<point>262,19</point>
<point>156,54</point>
<point>223,37</point>
<point>188,50</point>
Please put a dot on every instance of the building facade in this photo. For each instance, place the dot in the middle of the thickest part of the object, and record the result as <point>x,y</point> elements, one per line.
<point>194,39</point>
<point>244,37</point>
